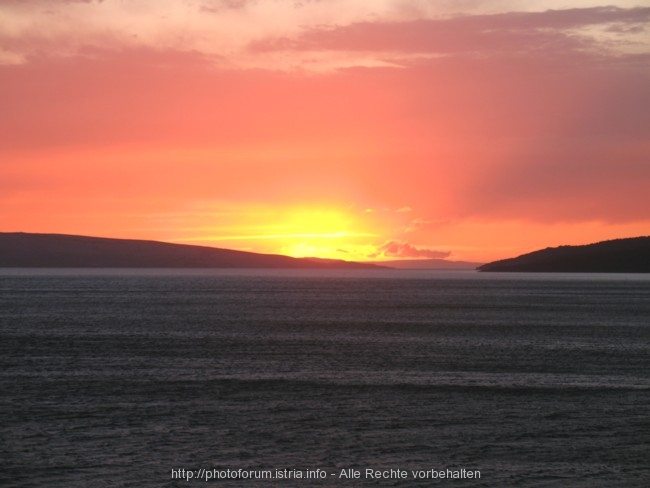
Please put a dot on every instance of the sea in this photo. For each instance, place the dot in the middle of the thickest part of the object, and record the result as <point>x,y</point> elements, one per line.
<point>180,378</point>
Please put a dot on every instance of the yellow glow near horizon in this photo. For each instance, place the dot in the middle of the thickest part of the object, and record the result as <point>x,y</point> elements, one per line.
<point>301,231</point>
<point>317,232</point>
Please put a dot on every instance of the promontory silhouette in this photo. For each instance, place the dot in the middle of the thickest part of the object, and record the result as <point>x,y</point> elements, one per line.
<point>630,255</point>
<point>18,249</point>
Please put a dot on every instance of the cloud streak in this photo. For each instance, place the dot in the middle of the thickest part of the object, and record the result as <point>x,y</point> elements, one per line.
<point>522,32</point>
<point>307,35</point>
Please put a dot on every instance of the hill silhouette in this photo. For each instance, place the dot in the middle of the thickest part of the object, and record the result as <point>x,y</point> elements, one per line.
<point>631,255</point>
<point>19,249</point>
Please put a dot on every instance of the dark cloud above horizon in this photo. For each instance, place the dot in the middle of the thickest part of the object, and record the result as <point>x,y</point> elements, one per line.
<point>480,34</point>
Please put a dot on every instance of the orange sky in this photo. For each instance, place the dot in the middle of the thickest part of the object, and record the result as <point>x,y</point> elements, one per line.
<point>340,128</point>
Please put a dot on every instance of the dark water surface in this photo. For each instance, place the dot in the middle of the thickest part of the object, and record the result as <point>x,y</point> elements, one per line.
<point>114,378</point>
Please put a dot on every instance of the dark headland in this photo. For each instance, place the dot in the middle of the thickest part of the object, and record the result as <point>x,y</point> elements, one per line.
<point>631,255</point>
<point>25,250</point>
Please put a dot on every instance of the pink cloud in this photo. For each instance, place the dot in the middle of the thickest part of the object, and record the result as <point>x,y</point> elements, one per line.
<point>399,249</point>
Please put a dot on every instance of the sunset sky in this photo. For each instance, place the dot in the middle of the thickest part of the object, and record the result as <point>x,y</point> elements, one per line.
<point>353,129</point>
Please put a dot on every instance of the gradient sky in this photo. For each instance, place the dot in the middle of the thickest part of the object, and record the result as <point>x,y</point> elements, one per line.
<point>356,129</point>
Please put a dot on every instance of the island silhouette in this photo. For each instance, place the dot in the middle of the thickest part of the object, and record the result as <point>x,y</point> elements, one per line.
<point>629,255</point>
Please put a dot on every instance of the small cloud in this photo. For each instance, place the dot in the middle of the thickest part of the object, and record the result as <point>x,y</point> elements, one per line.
<point>404,209</point>
<point>419,224</point>
<point>10,58</point>
<point>219,5</point>
<point>369,210</point>
<point>400,249</point>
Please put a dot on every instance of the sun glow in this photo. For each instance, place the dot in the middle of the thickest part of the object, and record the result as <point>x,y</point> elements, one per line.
<point>321,233</point>
<point>303,231</point>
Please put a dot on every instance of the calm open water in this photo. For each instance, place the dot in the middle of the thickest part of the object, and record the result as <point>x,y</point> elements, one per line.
<point>114,378</point>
